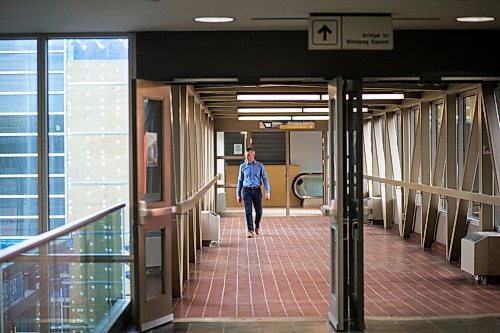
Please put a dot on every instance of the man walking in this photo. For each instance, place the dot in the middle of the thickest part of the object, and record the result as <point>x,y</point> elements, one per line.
<point>252,174</point>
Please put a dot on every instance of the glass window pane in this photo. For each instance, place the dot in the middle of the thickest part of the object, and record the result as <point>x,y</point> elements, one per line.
<point>56,164</point>
<point>56,61</point>
<point>18,148</point>
<point>56,123</point>
<point>56,103</point>
<point>18,82</point>
<point>18,186</point>
<point>153,138</point>
<point>234,145</point>
<point>16,103</point>
<point>18,165</point>
<point>88,106</point>
<point>18,124</point>
<point>18,62</point>
<point>21,45</point>
<point>56,143</point>
<point>18,144</point>
<point>57,184</point>
<point>155,270</point>
<point>20,228</point>
<point>18,206</point>
<point>56,82</point>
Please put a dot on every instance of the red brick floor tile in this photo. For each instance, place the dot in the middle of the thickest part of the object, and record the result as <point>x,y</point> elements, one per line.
<point>285,273</point>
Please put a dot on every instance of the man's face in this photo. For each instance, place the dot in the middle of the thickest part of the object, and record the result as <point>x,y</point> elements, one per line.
<point>250,156</point>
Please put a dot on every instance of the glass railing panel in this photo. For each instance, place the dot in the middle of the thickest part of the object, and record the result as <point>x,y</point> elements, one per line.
<point>74,283</point>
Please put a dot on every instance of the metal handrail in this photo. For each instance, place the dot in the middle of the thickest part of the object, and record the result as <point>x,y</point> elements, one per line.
<point>26,245</point>
<point>189,203</point>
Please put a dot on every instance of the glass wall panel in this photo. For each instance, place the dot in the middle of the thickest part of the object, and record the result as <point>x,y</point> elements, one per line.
<point>230,146</point>
<point>88,126</point>
<point>18,140</point>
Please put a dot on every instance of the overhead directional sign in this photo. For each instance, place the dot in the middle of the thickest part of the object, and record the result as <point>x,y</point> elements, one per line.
<point>324,32</point>
<point>350,32</point>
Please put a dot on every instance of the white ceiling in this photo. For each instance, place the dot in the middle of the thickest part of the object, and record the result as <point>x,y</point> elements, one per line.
<point>66,16</point>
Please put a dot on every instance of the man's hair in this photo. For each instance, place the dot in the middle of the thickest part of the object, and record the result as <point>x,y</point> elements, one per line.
<point>250,149</point>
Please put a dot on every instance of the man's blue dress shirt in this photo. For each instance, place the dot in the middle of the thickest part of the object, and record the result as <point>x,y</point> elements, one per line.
<point>250,176</point>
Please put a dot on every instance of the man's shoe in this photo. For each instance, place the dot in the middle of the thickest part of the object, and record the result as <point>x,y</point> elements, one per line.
<point>257,231</point>
<point>250,234</point>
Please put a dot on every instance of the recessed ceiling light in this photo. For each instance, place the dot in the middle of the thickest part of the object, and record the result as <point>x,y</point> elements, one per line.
<point>214,19</point>
<point>278,97</point>
<point>475,19</point>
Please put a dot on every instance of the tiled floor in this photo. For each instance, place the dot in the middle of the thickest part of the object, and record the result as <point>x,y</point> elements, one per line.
<point>284,274</point>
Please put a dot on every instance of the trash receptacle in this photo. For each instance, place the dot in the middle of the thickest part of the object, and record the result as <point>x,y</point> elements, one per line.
<point>210,228</point>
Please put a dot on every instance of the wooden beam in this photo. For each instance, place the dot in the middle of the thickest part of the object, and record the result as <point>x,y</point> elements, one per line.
<point>471,159</point>
<point>396,163</point>
<point>389,199</point>
<point>437,180</point>
<point>489,160</point>
<point>378,130</point>
<point>425,165</point>
<point>414,173</point>
<point>367,148</point>
<point>493,127</point>
<point>451,163</point>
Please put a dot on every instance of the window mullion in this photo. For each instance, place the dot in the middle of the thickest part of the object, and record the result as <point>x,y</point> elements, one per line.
<point>43,152</point>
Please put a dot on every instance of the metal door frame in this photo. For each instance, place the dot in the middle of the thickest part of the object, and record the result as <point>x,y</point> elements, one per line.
<point>346,208</point>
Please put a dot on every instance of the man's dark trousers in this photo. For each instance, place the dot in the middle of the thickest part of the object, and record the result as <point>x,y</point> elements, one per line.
<point>252,195</point>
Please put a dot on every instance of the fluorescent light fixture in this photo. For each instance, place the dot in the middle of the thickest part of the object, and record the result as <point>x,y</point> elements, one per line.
<point>214,19</point>
<point>264,118</point>
<point>470,78</point>
<point>391,78</point>
<point>318,110</point>
<point>374,96</point>
<point>269,110</point>
<point>310,117</point>
<point>292,79</point>
<point>475,19</point>
<point>205,79</point>
<point>278,97</point>
<point>362,109</point>
<point>382,96</point>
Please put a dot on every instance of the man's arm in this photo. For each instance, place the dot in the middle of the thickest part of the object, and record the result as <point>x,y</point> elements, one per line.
<point>240,185</point>
<point>266,182</point>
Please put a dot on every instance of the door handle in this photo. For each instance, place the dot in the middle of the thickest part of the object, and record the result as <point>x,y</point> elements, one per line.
<point>151,212</point>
